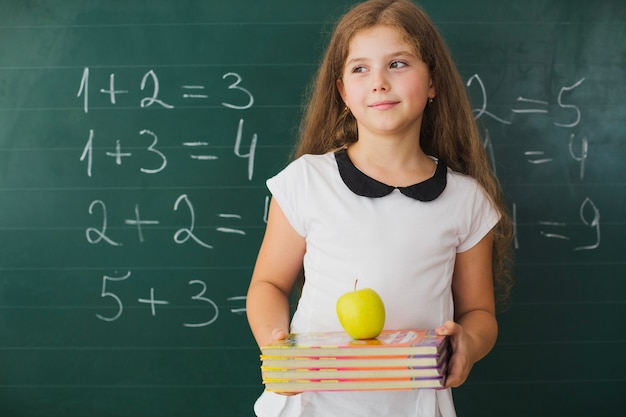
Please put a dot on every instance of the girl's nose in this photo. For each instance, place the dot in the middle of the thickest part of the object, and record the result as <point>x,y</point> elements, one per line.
<point>379,81</point>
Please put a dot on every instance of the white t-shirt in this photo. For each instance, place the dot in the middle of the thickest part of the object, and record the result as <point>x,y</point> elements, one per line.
<point>399,246</point>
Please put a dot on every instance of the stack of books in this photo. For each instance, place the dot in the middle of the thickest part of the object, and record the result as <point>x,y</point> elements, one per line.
<point>333,361</point>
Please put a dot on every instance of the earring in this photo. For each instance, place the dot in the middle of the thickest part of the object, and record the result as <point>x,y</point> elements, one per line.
<point>430,100</point>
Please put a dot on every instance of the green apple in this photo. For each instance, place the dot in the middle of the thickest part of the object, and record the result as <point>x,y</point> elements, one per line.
<point>361,313</point>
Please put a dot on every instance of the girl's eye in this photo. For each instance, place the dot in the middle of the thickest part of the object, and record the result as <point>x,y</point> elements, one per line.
<point>398,64</point>
<point>358,69</point>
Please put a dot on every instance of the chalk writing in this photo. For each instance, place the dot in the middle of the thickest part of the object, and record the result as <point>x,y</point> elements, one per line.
<point>149,101</point>
<point>197,296</point>
<point>118,154</point>
<point>99,233</point>
<point>488,145</point>
<point>155,160</point>
<point>266,207</point>
<point>152,148</point>
<point>575,148</point>
<point>201,157</point>
<point>593,222</point>
<point>236,86</point>
<point>582,157</point>
<point>182,235</point>
<point>105,293</point>
<point>138,222</point>
<point>537,157</point>
<point>541,104</point>
<point>514,221</point>
<point>194,88</point>
<point>252,149</point>
<point>200,297</point>
<point>537,105</point>
<point>112,92</point>
<point>569,106</point>
<point>239,310</point>
<point>230,229</point>
<point>158,159</point>
<point>88,153</point>
<point>482,111</point>
<point>83,89</point>
<point>153,302</point>
<point>150,85</point>
<point>187,232</point>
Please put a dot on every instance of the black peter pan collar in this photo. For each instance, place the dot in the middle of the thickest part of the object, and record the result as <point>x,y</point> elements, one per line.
<point>359,183</point>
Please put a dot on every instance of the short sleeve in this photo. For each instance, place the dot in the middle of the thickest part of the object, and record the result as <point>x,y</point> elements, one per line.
<point>482,217</point>
<point>289,191</point>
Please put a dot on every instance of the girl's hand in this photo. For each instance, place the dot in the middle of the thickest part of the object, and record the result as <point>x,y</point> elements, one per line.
<point>278,334</point>
<point>460,363</point>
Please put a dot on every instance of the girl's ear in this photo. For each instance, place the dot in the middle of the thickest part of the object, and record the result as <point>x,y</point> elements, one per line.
<point>341,89</point>
<point>432,93</point>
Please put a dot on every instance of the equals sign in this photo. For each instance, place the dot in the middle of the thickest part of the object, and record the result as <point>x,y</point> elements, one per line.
<point>535,157</point>
<point>199,157</point>
<point>194,88</point>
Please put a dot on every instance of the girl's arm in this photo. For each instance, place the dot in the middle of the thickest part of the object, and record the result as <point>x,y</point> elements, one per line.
<point>277,266</point>
<point>474,331</point>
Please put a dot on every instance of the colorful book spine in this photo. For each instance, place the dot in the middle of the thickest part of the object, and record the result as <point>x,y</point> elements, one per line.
<point>396,360</point>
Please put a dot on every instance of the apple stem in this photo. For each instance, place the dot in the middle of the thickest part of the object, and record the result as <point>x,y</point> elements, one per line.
<point>355,281</point>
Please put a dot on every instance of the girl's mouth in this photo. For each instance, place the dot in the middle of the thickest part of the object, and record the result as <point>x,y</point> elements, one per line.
<point>383,105</point>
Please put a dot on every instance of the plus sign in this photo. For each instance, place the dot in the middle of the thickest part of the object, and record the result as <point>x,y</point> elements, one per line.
<point>152,301</point>
<point>112,91</point>
<point>118,153</point>
<point>138,222</point>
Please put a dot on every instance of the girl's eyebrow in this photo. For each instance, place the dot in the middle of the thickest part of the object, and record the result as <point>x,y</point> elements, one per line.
<point>392,55</point>
<point>402,54</point>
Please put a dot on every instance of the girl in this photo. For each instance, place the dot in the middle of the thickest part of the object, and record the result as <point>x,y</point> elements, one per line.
<point>390,185</point>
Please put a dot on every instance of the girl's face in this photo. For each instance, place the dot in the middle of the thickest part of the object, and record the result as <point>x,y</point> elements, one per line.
<point>384,83</point>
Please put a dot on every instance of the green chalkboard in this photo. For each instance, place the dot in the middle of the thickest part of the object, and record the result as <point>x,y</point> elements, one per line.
<point>135,139</point>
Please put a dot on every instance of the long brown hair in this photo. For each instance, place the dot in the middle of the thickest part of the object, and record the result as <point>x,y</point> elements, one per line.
<point>449,131</point>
